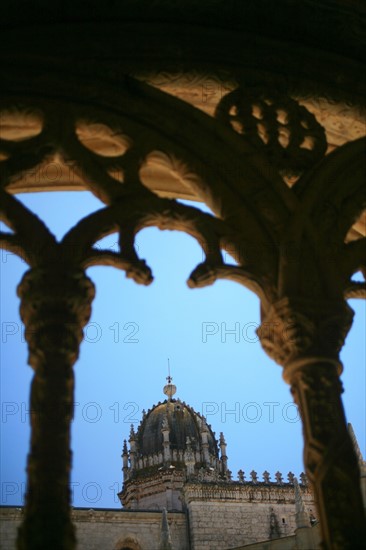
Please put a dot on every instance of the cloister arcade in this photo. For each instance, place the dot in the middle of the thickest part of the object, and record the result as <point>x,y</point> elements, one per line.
<point>256,111</point>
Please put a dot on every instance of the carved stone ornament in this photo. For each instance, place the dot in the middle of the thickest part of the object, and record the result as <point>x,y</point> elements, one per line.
<point>290,245</point>
<point>285,131</point>
<point>295,329</point>
<point>55,305</point>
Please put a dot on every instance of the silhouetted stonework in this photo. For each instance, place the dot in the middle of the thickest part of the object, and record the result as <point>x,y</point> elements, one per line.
<point>254,108</point>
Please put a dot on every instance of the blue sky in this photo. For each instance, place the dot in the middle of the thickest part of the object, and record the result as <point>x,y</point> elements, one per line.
<point>216,361</point>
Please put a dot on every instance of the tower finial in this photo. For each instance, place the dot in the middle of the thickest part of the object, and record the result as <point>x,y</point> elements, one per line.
<point>169,389</point>
<point>169,378</point>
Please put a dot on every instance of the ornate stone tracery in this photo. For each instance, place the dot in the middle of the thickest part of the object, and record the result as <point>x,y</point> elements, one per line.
<point>290,245</point>
<point>287,132</point>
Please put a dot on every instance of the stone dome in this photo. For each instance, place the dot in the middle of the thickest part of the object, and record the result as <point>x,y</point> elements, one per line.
<point>181,421</point>
<point>173,444</point>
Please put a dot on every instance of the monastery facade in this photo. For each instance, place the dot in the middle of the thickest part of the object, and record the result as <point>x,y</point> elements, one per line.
<point>179,494</point>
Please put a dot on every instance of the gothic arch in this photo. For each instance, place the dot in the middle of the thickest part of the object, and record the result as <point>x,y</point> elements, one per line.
<point>269,210</point>
<point>305,318</point>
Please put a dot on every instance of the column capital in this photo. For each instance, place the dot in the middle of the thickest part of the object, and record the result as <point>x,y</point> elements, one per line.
<point>55,306</point>
<point>294,330</point>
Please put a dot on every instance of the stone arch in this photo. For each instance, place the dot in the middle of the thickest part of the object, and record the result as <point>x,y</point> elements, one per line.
<point>250,201</point>
<point>128,542</point>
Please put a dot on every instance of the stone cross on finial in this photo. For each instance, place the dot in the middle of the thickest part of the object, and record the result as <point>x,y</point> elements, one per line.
<point>241,476</point>
<point>254,477</point>
<point>291,477</point>
<point>279,478</point>
<point>266,476</point>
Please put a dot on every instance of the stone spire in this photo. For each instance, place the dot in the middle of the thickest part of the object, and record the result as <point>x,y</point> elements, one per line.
<point>165,538</point>
<point>301,516</point>
<point>165,430</point>
<point>132,442</point>
<point>189,458</point>
<point>125,460</point>
<point>204,443</point>
<point>223,453</point>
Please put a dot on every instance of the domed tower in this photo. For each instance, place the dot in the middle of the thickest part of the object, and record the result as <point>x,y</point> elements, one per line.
<point>173,444</point>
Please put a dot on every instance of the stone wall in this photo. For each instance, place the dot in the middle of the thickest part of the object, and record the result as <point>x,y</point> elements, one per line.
<point>215,525</point>
<point>154,492</point>
<point>107,529</point>
<point>10,519</point>
<point>169,499</point>
<point>220,516</point>
<point>303,539</point>
<point>236,515</point>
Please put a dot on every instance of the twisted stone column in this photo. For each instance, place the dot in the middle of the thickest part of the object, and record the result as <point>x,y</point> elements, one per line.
<point>55,305</point>
<point>306,339</point>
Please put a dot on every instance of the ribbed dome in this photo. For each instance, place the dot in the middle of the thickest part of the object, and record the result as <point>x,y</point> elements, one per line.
<point>182,422</point>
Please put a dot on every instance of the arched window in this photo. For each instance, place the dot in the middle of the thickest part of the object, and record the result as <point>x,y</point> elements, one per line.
<point>128,543</point>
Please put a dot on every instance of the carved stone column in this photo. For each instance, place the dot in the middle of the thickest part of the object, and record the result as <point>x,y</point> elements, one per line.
<point>55,305</point>
<point>306,339</point>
